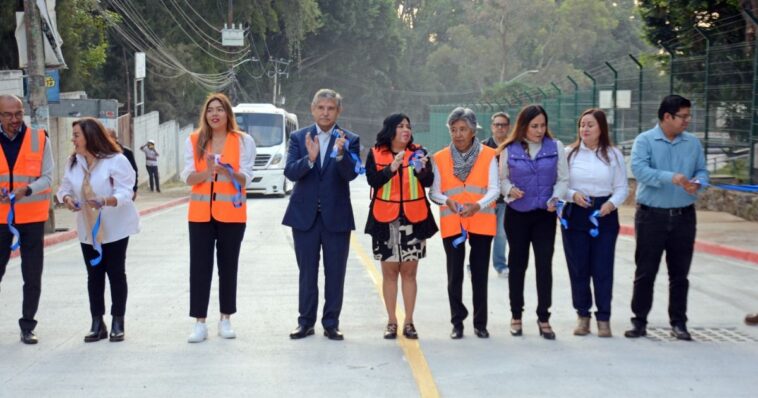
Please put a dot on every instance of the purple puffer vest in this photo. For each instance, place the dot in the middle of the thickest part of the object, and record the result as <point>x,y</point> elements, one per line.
<point>535,177</point>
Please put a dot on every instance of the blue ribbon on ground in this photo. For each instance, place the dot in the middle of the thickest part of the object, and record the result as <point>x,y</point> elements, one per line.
<point>594,232</point>
<point>464,234</point>
<point>16,235</point>
<point>359,169</point>
<point>559,205</point>
<point>237,200</point>
<point>95,244</point>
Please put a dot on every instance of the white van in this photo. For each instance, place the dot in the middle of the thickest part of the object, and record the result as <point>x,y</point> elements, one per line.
<point>270,128</point>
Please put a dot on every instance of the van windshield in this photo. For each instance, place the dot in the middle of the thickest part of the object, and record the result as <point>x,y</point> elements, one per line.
<point>266,129</point>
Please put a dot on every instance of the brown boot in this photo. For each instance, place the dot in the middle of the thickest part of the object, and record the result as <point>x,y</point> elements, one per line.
<point>582,326</point>
<point>751,319</point>
<point>604,329</point>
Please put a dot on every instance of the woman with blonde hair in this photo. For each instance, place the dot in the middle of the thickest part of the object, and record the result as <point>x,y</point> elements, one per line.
<point>218,165</point>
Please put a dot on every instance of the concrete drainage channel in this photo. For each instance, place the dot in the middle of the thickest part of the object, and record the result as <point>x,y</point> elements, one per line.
<point>703,335</point>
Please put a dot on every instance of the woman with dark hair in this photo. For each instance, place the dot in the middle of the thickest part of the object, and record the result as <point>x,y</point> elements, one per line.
<point>533,176</point>
<point>218,162</point>
<point>597,187</point>
<point>466,188</point>
<point>97,185</point>
<point>399,219</point>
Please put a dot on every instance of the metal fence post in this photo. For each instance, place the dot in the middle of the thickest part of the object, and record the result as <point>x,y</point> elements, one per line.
<point>671,68</point>
<point>613,97</point>
<point>753,119</point>
<point>576,96</point>
<point>559,104</point>
<point>705,88</point>
<point>594,88</point>
<point>639,95</point>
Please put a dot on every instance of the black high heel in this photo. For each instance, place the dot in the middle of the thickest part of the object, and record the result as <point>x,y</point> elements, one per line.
<point>97,332</point>
<point>516,329</point>
<point>546,331</point>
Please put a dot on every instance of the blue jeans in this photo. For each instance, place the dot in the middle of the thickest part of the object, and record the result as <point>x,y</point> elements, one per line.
<point>499,243</point>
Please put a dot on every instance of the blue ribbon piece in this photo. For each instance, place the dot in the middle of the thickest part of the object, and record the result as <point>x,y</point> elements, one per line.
<point>464,234</point>
<point>16,235</point>
<point>559,205</point>
<point>237,200</point>
<point>594,232</point>
<point>95,244</point>
<point>359,169</point>
<point>415,160</point>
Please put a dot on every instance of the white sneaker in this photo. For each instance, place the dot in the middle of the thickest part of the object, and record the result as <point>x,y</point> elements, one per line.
<point>503,273</point>
<point>225,329</point>
<point>199,333</point>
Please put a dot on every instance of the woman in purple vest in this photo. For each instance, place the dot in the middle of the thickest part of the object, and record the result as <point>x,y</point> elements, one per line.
<point>533,175</point>
<point>597,183</point>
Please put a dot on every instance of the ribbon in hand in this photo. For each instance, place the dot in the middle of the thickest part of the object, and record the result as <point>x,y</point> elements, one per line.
<point>95,243</point>
<point>237,199</point>
<point>415,160</point>
<point>359,169</point>
<point>464,234</point>
<point>594,232</point>
<point>559,205</point>
<point>16,235</point>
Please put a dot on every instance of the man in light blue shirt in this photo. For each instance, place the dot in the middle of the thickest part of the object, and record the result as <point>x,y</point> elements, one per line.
<point>669,166</point>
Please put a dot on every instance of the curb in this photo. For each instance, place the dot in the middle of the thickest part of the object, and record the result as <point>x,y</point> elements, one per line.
<point>710,248</point>
<point>60,237</point>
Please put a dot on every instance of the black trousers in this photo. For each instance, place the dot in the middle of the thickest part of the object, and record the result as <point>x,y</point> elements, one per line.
<point>226,239</point>
<point>535,228</point>
<point>479,258</point>
<point>655,233</point>
<point>112,264</point>
<point>32,257</point>
<point>153,178</point>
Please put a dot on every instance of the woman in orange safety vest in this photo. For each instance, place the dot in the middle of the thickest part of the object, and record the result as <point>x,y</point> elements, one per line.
<point>218,165</point>
<point>399,219</point>
<point>466,186</point>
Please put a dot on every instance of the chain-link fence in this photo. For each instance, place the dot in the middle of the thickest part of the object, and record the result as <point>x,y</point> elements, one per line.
<point>714,67</point>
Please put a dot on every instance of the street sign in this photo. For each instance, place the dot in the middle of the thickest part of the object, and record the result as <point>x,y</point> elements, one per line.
<point>139,65</point>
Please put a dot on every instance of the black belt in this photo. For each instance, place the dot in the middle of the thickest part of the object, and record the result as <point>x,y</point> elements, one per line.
<point>674,211</point>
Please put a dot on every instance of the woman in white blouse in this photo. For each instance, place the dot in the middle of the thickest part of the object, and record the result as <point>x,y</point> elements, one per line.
<point>97,185</point>
<point>597,187</point>
<point>218,165</point>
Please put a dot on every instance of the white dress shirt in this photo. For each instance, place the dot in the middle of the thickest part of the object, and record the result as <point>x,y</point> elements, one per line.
<point>111,176</point>
<point>592,176</point>
<point>247,158</point>
<point>493,186</point>
<point>561,182</point>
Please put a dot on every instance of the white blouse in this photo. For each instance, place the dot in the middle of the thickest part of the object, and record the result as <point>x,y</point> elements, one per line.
<point>247,159</point>
<point>591,176</point>
<point>111,176</point>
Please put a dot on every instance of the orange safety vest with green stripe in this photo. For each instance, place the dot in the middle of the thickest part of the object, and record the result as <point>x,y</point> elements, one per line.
<point>484,222</point>
<point>214,197</point>
<point>403,188</point>
<point>27,169</point>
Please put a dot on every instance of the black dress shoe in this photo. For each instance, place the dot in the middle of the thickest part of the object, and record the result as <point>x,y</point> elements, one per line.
<point>333,334</point>
<point>457,333</point>
<point>117,329</point>
<point>680,332</point>
<point>97,332</point>
<point>390,332</point>
<point>409,331</point>
<point>28,337</point>
<point>637,330</point>
<point>482,333</point>
<point>301,332</point>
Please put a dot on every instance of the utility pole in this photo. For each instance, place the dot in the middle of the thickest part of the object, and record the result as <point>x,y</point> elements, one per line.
<point>275,74</point>
<point>35,70</point>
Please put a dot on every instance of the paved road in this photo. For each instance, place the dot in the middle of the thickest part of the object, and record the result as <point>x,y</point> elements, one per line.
<point>155,359</point>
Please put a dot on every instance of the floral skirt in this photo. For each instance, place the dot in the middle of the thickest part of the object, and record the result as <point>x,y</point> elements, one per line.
<point>401,246</point>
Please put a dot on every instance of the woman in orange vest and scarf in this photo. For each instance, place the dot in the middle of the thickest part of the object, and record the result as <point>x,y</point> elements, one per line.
<point>218,161</point>
<point>466,186</point>
<point>399,219</point>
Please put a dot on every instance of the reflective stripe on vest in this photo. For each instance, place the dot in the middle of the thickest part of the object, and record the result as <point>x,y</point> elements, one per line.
<point>403,189</point>
<point>217,203</point>
<point>27,169</point>
<point>484,222</point>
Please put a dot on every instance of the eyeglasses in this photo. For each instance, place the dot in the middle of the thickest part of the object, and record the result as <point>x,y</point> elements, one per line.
<point>500,125</point>
<point>686,118</point>
<point>8,115</point>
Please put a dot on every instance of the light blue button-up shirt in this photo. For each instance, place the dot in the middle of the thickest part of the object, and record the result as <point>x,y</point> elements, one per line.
<point>655,161</point>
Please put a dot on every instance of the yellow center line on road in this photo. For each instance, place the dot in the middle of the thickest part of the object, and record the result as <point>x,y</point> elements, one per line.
<point>411,348</point>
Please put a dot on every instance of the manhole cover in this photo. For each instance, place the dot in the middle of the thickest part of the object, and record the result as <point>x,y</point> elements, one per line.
<point>704,334</point>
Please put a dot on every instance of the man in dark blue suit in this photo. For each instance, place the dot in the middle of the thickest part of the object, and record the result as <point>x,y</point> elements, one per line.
<point>320,212</point>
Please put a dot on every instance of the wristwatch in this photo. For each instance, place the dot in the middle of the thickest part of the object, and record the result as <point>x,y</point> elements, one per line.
<point>28,191</point>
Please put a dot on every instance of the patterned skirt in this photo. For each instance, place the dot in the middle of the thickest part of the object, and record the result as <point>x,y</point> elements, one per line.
<point>401,246</point>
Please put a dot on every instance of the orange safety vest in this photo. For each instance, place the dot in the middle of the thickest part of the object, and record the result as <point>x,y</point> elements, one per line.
<point>484,222</point>
<point>27,169</point>
<point>403,188</point>
<point>214,197</point>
